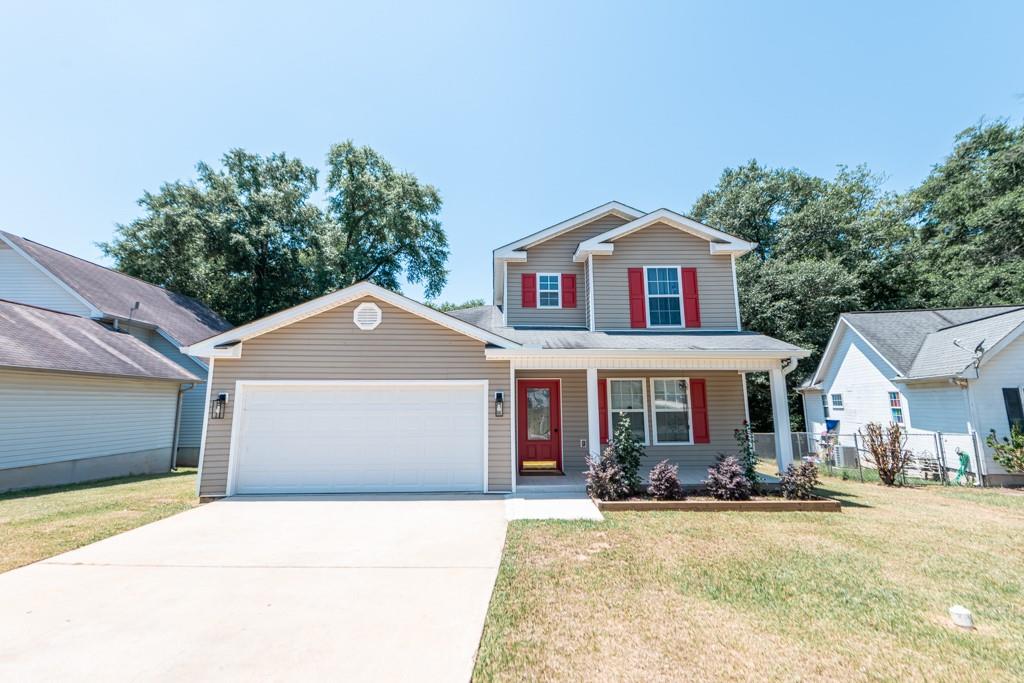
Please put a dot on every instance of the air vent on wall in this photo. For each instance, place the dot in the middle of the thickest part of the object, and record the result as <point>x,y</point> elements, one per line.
<point>367,316</point>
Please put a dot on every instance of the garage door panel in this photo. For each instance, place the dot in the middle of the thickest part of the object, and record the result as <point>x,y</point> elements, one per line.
<point>360,438</point>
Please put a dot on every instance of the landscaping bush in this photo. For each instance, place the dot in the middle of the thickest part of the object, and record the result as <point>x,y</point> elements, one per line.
<point>665,482</point>
<point>628,452</point>
<point>1009,452</point>
<point>727,481</point>
<point>748,457</point>
<point>799,480</point>
<point>886,450</point>
<point>605,479</point>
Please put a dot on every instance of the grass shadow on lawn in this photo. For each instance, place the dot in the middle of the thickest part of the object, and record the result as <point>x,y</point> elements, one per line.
<point>98,483</point>
<point>847,500</point>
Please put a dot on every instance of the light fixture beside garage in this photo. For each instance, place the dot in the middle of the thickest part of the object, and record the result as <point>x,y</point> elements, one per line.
<point>367,316</point>
<point>499,403</point>
<point>218,406</point>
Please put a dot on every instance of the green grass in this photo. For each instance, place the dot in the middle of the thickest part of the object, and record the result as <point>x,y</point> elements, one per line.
<point>860,595</point>
<point>41,523</point>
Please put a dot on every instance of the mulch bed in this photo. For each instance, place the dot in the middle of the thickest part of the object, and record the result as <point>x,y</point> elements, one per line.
<point>708,504</point>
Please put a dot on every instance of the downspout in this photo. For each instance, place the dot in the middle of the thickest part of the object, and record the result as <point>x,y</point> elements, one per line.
<point>182,388</point>
<point>790,366</point>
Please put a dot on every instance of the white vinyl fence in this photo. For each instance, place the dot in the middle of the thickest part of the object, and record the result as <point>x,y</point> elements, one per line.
<point>938,457</point>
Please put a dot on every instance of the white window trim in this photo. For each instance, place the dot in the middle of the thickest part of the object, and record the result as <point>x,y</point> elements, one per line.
<point>837,406</point>
<point>558,279</point>
<point>647,300</point>
<point>654,412</point>
<point>825,408</point>
<point>901,407</point>
<point>612,411</point>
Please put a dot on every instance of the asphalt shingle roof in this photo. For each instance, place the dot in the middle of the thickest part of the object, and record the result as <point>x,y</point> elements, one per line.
<point>920,343</point>
<point>41,339</point>
<point>489,318</point>
<point>114,293</point>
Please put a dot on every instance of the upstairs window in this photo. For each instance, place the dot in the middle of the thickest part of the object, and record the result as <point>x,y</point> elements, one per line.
<point>824,405</point>
<point>549,290</point>
<point>664,298</point>
<point>837,401</point>
<point>896,407</point>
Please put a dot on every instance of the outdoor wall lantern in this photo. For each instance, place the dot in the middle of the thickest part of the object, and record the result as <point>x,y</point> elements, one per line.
<point>219,405</point>
<point>499,403</point>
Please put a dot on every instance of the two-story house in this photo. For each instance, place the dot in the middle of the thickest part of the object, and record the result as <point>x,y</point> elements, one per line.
<point>93,382</point>
<point>614,314</point>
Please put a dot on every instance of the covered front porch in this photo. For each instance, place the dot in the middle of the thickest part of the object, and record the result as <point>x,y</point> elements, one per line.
<point>685,409</point>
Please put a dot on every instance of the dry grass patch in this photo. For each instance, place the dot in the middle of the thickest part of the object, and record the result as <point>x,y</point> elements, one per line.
<point>856,596</point>
<point>42,523</point>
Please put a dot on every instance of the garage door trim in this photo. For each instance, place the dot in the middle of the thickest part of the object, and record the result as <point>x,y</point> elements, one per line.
<point>239,401</point>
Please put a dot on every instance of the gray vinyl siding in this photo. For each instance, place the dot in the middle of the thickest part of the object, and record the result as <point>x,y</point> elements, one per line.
<point>662,245</point>
<point>22,282</point>
<point>555,256</point>
<point>192,401</point>
<point>50,417</point>
<point>329,346</point>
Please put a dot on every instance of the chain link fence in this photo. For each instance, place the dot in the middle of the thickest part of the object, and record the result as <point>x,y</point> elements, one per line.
<point>938,457</point>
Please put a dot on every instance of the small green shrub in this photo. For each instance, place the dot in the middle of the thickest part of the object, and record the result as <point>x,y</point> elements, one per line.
<point>748,457</point>
<point>605,479</point>
<point>665,482</point>
<point>727,481</point>
<point>1008,452</point>
<point>799,480</point>
<point>628,452</point>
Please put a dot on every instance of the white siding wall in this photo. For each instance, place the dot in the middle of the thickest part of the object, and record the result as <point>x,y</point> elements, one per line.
<point>1003,370</point>
<point>814,414</point>
<point>22,282</point>
<point>51,417</point>
<point>862,377</point>
<point>938,407</point>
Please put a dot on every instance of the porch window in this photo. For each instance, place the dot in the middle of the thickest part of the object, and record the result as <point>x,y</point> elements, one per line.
<point>896,407</point>
<point>664,298</point>
<point>626,402</point>
<point>671,410</point>
<point>549,290</point>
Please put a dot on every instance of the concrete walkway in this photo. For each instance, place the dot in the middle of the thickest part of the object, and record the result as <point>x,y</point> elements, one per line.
<point>342,588</point>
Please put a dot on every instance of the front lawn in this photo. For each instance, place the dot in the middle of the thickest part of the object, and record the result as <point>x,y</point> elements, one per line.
<point>42,523</point>
<point>858,595</point>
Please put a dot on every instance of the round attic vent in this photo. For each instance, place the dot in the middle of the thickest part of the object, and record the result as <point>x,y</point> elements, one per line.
<point>367,316</point>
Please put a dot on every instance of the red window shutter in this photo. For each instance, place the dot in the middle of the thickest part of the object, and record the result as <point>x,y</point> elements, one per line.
<point>568,290</point>
<point>699,408</point>
<point>529,290</point>
<point>602,408</point>
<point>637,306</point>
<point>691,298</point>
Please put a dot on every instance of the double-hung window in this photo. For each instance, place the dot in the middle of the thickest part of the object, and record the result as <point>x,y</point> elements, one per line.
<point>626,402</point>
<point>896,407</point>
<point>837,401</point>
<point>549,290</point>
<point>664,297</point>
<point>824,405</point>
<point>671,410</point>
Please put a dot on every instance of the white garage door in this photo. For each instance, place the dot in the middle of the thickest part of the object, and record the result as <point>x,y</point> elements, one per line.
<point>360,437</point>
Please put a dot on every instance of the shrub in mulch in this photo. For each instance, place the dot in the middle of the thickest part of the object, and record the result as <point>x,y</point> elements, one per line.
<point>605,478</point>
<point>665,484</point>
<point>727,480</point>
<point>799,480</point>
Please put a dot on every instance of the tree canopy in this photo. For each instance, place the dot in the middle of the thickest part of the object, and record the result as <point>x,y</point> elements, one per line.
<point>248,239</point>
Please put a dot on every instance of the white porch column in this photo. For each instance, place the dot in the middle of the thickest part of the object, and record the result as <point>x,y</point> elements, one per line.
<point>780,416</point>
<point>593,416</point>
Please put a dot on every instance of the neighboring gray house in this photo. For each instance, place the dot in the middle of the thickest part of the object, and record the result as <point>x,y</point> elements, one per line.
<point>955,370</point>
<point>67,297</point>
<point>611,315</point>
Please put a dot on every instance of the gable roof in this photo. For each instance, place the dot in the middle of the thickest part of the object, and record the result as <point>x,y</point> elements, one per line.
<point>226,343</point>
<point>113,294</point>
<point>609,208</point>
<point>34,338</point>
<point>919,343</point>
<point>720,242</point>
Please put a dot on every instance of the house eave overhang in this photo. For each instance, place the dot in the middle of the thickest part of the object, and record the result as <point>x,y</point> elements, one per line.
<point>507,353</point>
<point>229,344</point>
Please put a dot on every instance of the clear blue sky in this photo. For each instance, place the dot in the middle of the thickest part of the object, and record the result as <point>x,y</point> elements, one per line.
<point>522,113</point>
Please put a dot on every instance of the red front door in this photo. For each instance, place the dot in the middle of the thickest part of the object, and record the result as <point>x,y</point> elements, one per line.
<point>539,411</point>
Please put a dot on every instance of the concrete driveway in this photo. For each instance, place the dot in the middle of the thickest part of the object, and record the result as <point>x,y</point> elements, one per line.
<point>341,588</point>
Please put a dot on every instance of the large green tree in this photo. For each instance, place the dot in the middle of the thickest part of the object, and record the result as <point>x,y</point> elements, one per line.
<point>248,239</point>
<point>970,211</point>
<point>825,246</point>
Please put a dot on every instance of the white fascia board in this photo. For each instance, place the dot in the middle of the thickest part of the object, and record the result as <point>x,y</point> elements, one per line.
<point>627,212</point>
<point>501,273</point>
<point>726,243</point>
<point>826,356</point>
<point>206,348</point>
<point>511,353</point>
<point>94,312</point>
<point>1008,339</point>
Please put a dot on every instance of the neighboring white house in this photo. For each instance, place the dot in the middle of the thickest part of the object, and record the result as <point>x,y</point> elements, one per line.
<point>945,370</point>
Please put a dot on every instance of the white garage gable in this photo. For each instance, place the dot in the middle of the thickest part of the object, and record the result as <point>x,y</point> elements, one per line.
<point>359,436</point>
